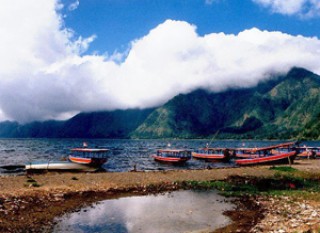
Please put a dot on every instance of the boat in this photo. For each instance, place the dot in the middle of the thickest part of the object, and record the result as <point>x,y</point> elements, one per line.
<point>284,153</point>
<point>80,159</point>
<point>172,155</point>
<point>212,154</point>
<point>258,152</point>
<point>307,152</point>
<point>57,166</point>
<point>87,156</point>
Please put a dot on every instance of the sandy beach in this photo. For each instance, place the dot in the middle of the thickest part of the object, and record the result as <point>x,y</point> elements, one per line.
<point>29,203</point>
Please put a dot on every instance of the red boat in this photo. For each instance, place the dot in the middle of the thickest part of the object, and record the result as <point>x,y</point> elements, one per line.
<point>278,154</point>
<point>281,158</point>
<point>212,154</point>
<point>87,156</point>
<point>306,152</point>
<point>172,155</point>
<point>261,151</point>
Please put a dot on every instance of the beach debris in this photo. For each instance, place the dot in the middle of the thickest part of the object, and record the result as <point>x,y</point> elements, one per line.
<point>284,214</point>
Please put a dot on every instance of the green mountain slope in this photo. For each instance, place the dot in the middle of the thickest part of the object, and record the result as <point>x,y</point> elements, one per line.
<point>108,124</point>
<point>284,107</point>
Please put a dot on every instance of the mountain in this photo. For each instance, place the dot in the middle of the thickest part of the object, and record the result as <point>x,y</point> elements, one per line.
<point>107,124</point>
<point>31,130</point>
<point>283,107</point>
<point>104,124</point>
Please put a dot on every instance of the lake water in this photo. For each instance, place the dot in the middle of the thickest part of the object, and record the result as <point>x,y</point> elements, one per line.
<point>125,153</point>
<point>180,211</point>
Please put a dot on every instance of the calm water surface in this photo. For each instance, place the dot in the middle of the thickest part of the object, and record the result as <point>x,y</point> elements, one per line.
<point>125,153</point>
<point>180,211</point>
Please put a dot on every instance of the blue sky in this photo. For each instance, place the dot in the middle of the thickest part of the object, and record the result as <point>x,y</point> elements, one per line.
<point>117,22</point>
<point>62,57</point>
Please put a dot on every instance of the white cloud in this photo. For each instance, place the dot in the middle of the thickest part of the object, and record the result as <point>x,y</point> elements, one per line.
<point>302,8</point>
<point>43,74</point>
<point>74,5</point>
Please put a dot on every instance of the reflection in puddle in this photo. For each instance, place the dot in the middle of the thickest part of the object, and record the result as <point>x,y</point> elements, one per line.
<point>181,211</point>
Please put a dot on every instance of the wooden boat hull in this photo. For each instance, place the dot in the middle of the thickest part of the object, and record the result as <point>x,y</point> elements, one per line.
<point>95,162</point>
<point>203,156</point>
<point>282,158</point>
<point>57,166</point>
<point>169,159</point>
<point>247,156</point>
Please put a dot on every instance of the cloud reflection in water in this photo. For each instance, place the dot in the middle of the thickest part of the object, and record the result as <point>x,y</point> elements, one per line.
<point>180,211</point>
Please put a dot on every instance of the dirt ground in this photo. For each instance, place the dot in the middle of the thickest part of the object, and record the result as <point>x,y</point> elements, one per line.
<point>29,203</point>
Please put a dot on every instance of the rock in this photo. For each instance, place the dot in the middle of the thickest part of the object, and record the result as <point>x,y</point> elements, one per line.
<point>58,197</point>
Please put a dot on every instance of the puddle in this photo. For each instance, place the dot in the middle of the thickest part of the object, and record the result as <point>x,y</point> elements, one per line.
<point>180,211</point>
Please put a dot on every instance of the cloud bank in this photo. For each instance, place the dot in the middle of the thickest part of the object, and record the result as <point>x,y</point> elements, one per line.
<point>302,8</point>
<point>44,74</point>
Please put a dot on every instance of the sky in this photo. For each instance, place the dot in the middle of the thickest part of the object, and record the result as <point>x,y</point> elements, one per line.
<point>62,57</point>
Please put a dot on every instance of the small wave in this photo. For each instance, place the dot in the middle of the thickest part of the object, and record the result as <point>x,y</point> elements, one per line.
<point>9,150</point>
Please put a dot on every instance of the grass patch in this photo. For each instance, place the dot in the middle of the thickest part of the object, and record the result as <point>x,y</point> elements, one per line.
<point>31,180</point>
<point>283,169</point>
<point>280,184</point>
<point>32,183</point>
<point>36,185</point>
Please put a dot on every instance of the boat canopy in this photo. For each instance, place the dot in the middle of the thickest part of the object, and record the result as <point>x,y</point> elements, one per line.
<point>278,146</point>
<point>173,150</point>
<point>207,150</point>
<point>283,145</point>
<point>174,153</point>
<point>94,150</point>
<point>90,153</point>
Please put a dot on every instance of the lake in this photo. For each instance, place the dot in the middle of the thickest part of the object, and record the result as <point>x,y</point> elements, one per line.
<point>125,153</point>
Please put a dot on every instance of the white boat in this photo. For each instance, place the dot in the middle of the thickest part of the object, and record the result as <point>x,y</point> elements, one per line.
<point>57,166</point>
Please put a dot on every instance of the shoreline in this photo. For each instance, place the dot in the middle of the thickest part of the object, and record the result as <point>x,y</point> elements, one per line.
<point>32,201</point>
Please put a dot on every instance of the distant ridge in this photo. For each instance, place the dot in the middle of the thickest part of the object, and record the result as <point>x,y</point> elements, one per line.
<point>284,107</point>
<point>104,124</point>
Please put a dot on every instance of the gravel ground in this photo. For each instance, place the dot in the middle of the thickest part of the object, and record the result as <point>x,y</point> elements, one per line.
<point>30,203</point>
<point>285,214</point>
